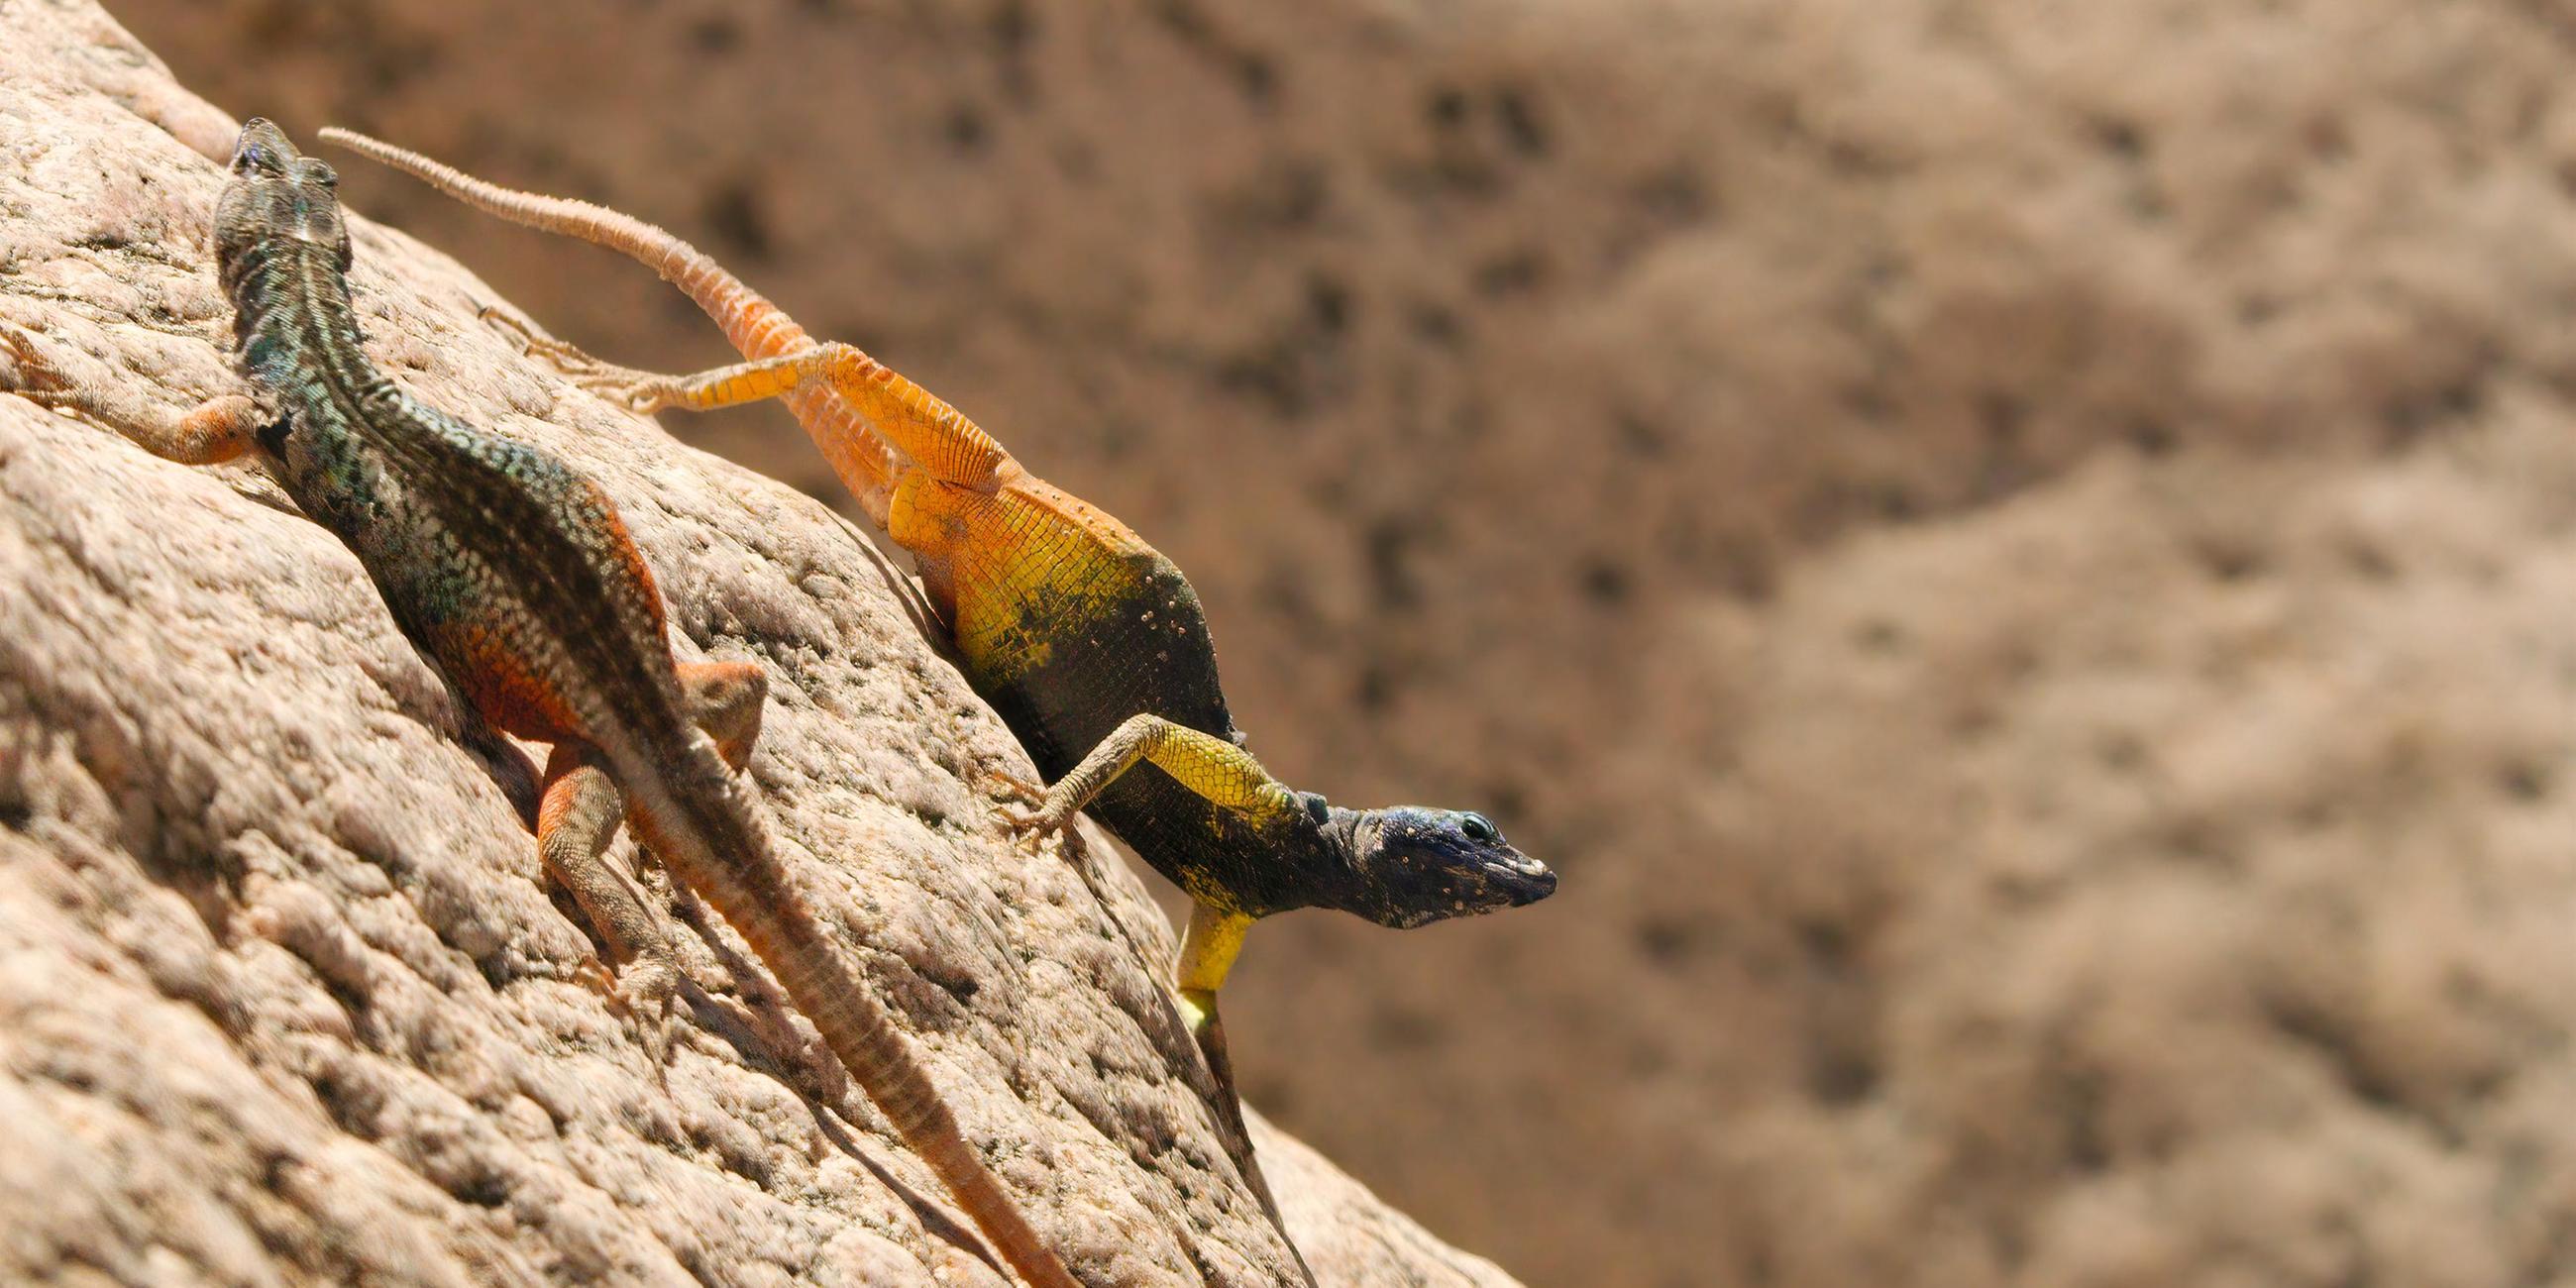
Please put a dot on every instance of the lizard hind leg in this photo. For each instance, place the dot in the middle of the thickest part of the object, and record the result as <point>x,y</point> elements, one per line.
<point>647,392</point>
<point>636,390</point>
<point>577,816</point>
<point>1208,949</point>
<point>863,459</point>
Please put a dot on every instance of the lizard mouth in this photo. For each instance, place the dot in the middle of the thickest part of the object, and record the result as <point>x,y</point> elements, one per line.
<point>1522,880</point>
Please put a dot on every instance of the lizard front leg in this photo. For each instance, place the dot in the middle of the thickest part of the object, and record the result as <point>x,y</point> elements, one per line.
<point>1227,776</point>
<point>1212,767</point>
<point>219,429</point>
<point>1208,949</point>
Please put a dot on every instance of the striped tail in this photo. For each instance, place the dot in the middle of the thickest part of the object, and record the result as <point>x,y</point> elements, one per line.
<point>693,813</point>
<point>755,327</point>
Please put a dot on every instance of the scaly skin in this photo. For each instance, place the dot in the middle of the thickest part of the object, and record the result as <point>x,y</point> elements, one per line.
<point>516,576</point>
<point>1088,642</point>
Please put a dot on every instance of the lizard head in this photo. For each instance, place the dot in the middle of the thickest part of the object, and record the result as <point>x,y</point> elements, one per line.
<point>276,190</point>
<point>1416,866</point>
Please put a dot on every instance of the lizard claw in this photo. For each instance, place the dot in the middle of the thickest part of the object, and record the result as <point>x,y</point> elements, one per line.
<point>1031,827</point>
<point>1029,820</point>
<point>1017,786</point>
<point>530,343</point>
<point>564,358</point>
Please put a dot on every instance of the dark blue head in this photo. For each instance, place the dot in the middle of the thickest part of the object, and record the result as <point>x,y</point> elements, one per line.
<point>1414,866</point>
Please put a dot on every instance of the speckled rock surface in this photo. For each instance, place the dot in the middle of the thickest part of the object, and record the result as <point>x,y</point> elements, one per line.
<point>283,995</point>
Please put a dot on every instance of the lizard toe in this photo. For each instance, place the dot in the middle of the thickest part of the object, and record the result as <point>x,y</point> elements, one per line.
<point>648,995</point>
<point>37,378</point>
<point>1031,828</point>
<point>1028,792</point>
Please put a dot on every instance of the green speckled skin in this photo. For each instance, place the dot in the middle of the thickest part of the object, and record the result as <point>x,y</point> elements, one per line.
<point>506,567</point>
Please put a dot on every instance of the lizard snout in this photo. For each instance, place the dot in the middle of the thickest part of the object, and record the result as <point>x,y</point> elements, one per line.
<point>1525,880</point>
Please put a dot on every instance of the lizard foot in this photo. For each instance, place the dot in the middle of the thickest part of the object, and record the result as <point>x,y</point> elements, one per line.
<point>36,377</point>
<point>1030,827</point>
<point>636,391</point>
<point>1030,821</point>
<point>41,379</point>
<point>559,355</point>
<point>646,995</point>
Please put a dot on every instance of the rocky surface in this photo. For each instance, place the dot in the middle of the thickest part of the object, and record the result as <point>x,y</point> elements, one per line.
<point>2014,554</point>
<point>283,994</point>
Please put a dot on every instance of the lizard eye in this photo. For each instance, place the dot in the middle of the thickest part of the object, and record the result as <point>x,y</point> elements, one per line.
<point>1478,828</point>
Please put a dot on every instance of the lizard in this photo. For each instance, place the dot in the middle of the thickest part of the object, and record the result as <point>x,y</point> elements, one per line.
<point>1090,644</point>
<point>516,576</point>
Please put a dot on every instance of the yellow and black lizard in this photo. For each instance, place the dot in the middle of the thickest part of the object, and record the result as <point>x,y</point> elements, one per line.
<point>1089,643</point>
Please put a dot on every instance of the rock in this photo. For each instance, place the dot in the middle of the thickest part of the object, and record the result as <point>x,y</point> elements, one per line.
<point>284,996</point>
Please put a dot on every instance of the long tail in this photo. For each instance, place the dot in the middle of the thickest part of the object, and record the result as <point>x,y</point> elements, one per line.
<point>755,327</point>
<point>707,832</point>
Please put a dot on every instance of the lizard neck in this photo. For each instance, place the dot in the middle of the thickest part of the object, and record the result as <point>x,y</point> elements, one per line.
<point>1339,884</point>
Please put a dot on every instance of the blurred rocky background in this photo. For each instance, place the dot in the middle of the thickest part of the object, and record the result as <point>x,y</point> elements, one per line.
<point>2019,557</point>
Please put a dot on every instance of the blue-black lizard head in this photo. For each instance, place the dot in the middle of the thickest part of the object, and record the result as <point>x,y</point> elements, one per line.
<point>276,192</point>
<point>1417,865</point>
